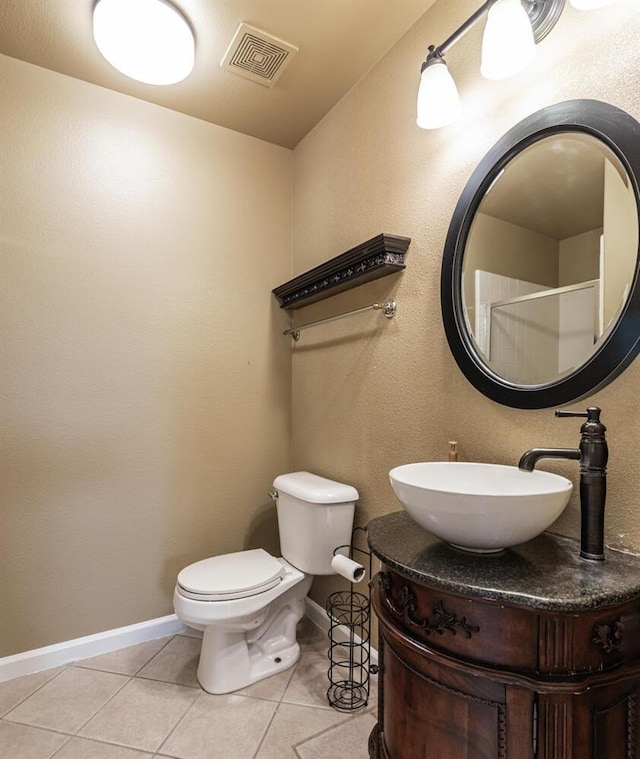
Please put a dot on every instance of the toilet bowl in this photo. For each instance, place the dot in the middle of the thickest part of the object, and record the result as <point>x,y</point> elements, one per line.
<point>249,631</point>
<point>248,603</point>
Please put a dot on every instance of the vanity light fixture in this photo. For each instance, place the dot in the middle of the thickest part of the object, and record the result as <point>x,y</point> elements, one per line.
<point>507,44</point>
<point>513,28</point>
<point>147,40</point>
<point>438,101</point>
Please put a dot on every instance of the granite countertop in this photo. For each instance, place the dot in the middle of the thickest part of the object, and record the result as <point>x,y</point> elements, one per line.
<point>546,573</point>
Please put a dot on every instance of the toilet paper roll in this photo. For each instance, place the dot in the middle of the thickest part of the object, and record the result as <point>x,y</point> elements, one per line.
<point>346,567</point>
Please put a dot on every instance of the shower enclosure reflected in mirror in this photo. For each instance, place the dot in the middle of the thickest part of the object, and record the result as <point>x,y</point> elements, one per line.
<point>541,261</point>
<point>550,259</point>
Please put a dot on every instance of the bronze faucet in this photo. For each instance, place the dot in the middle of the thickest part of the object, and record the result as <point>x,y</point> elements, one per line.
<point>592,454</point>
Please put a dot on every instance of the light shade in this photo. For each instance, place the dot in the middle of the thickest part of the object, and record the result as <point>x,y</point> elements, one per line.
<point>438,101</point>
<point>508,44</point>
<point>589,5</point>
<point>147,40</point>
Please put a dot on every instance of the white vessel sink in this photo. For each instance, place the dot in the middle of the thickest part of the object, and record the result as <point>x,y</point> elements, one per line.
<point>480,507</point>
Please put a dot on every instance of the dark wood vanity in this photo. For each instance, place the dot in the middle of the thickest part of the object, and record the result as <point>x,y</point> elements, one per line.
<point>533,654</point>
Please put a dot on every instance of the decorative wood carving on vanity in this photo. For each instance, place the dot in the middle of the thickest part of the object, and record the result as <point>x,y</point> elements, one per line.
<point>609,637</point>
<point>468,675</point>
<point>439,621</point>
<point>556,644</point>
<point>620,636</point>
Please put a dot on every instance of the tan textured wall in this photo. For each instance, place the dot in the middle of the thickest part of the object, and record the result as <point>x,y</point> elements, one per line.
<point>369,395</point>
<point>145,386</point>
<point>507,249</point>
<point>579,258</point>
<point>504,248</point>
<point>620,232</point>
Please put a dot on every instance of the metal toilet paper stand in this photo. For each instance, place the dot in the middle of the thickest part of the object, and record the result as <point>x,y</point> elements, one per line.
<point>349,653</point>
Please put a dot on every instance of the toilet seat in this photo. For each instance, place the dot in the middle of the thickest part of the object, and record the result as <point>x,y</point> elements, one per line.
<point>231,576</point>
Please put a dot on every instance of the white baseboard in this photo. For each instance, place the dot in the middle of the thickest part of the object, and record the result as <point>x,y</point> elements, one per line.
<point>320,618</point>
<point>38,659</point>
<point>91,645</point>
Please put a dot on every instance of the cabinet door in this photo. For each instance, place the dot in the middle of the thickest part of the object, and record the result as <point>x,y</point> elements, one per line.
<point>615,722</point>
<point>430,711</point>
<point>601,723</point>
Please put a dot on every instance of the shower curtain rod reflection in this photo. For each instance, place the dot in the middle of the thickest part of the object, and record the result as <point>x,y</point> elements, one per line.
<point>546,293</point>
<point>388,309</point>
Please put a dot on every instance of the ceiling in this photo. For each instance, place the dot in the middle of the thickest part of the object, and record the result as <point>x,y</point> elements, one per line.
<point>338,42</point>
<point>555,187</point>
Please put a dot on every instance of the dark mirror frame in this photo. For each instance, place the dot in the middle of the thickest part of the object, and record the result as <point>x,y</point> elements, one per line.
<point>621,133</point>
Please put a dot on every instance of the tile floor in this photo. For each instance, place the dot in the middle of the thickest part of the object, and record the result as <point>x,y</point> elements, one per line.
<point>144,702</point>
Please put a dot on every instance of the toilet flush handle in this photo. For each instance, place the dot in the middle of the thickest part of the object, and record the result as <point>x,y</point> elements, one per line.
<point>273,494</point>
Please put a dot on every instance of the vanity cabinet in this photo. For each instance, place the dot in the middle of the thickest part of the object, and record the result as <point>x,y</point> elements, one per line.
<point>534,654</point>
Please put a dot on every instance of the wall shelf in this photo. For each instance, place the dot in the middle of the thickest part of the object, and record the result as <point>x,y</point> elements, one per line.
<point>375,258</point>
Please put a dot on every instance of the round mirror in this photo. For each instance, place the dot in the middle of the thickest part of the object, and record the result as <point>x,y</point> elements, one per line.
<point>539,275</point>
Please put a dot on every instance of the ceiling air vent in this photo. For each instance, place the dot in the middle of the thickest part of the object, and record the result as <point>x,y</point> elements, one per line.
<point>258,56</point>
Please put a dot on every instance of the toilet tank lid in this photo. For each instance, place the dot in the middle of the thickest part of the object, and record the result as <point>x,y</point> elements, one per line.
<point>314,489</point>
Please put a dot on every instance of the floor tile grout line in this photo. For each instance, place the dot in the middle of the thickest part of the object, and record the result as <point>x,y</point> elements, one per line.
<point>179,722</point>
<point>171,638</point>
<point>187,635</point>
<point>264,734</point>
<point>240,695</point>
<point>264,699</point>
<point>275,711</point>
<point>102,742</point>
<point>38,727</point>
<point>168,682</point>
<point>67,733</point>
<point>108,701</point>
<point>128,745</point>
<point>325,708</point>
<point>59,749</point>
<point>312,652</point>
<point>320,733</point>
<point>288,683</point>
<point>78,664</point>
<point>33,692</point>
<point>68,736</point>
<point>129,677</point>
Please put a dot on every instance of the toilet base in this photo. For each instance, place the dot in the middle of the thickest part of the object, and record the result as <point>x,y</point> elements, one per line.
<point>228,664</point>
<point>232,658</point>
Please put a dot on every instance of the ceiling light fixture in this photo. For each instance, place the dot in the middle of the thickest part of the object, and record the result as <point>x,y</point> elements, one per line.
<point>513,29</point>
<point>589,5</point>
<point>147,40</point>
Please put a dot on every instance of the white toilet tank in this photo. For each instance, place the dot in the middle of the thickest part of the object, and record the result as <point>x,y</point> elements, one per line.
<point>315,515</point>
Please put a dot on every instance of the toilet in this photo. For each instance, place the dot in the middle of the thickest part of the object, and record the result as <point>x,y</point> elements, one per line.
<point>249,603</point>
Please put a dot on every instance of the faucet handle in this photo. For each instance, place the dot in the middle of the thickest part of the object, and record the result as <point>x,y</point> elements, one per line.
<point>593,425</point>
<point>592,413</point>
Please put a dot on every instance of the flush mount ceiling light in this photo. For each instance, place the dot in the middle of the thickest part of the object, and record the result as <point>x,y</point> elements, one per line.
<point>509,43</point>
<point>147,40</point>
<point>589,5</point>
